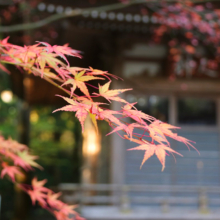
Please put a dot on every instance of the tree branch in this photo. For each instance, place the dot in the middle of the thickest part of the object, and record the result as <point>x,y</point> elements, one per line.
<point>77,12</point>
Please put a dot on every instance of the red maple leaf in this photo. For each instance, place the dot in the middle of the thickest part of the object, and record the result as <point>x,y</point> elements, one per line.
<point>81,110</point>
<point>78,82</point>
<point>38,192</point>
<point>52,200</point>
<point>130,111</point>
<point>11,171</point>
<point>62,51</point>
<point>128,129</point>
<point>160,129</point>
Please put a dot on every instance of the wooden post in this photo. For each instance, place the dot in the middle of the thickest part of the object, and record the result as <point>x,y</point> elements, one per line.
<point>218,124</point>
<point>117,152</point>
<point>203,201</point>
<point>172,110</point>
<point>22,201</point>
<point>90,151</point>
<point>125,204</point>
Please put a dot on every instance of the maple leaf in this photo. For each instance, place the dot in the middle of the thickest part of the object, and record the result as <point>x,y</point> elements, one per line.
<point>18,161</point>
<point>158,150</point>
<point>29,159</point>
<point>68,209</point>
<point>111,94</point>
<point>78,82</point>
<point>47,58</point>
<point>81,110</point>
<point>39,192</point>
<point>65,212</point>
<point>160,129</point>
<point>138,141</point>
<point>12,145</point>
<point>126,128</point>
<point>108,115</point>
<point>2,67</point>
<point>101,73</point>
<point>4,42</point>
<point>62,50</point>
<point>94,121</point>
<point>136,115</point>
<point>52,200</point>
<point>48,73</point>
<point>11,171</point>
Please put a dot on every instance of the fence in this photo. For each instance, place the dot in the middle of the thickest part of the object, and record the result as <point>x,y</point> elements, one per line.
<point>128,196</point>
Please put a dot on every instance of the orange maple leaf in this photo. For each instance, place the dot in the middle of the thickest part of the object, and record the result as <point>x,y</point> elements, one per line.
<point>78,82</point>
<point>111,94</point>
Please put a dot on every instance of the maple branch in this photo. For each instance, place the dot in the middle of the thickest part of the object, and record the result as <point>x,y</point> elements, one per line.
<point>78,12</point>
<point>57,85</point>
<point>36,70</point>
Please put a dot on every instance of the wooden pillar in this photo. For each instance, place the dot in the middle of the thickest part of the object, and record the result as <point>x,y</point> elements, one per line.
<point>90,151</point>
<point>117,152</point>
<point>22,201</point>
<point>173,110</point>
<point>218,125</point>
<point>173,114</point>
<point>218,112</point>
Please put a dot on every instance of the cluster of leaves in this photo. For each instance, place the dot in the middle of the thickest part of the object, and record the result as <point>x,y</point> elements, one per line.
<point>45,61</point>
<point>194,25</point>
<point>15,160</point>
<point>188,25</point>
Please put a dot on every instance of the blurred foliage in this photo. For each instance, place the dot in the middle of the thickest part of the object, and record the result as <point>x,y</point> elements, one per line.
<point>8,111</point>
<point>55,138</point>
<point>52,138</point>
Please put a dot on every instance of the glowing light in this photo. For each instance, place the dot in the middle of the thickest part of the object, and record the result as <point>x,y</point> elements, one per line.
<point>103,15</point>
<point>34,117</point>
<point>92,147</point>
<point>137,18</point>
<point>128,17</point>
<point>68,10</point>
<point>41,7</point>
<point>142,101</point>
<point>145,19</point>
<point>85,14</point>
<point>111,15</point>
<point>59,9</point>
<point>7,96</point>
<point>94,14</point>
<point>50,8</point>
<point>120,16</point>
<point>154,19</point>
<point>131,98</point>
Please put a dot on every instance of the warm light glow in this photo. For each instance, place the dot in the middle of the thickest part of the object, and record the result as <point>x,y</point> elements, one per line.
<point>34,117</point>
<point>93,145</point>
<point>91,149</point>
<point>6,96</point>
